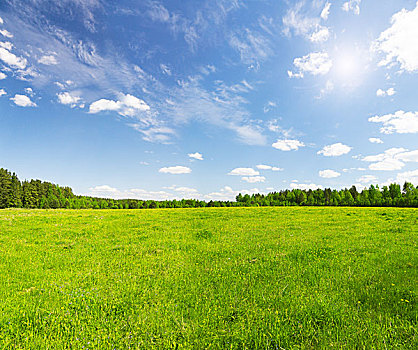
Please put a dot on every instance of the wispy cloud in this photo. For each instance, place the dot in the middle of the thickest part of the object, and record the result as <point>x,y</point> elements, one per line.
<point>304,19</point>
<point>252,46</point>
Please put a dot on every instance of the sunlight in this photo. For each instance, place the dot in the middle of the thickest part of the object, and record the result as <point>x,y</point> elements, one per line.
<point>348,68</point>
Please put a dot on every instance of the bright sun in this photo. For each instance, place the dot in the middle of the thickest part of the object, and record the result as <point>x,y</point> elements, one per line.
<point>349,67</point>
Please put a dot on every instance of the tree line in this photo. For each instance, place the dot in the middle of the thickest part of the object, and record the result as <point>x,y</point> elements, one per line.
<point>45,195</point>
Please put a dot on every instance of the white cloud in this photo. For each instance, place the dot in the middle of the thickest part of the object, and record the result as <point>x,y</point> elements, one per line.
<point>67,98</point>
<point>367,179</point>
<point>161,134</point>
<point>304,186</point>
<point>391,159</point>
<point>315,63</point>
<point>388,92</point>
<point>29,91</point>
<point>253,179</point>
<point>6,34</point>
<point>387,165</point>
<point>325,11</point>
<point>400,122</point>
<point>408,176</point>
<point>244,172</point>
<point>375,140</point>
<point>166,70</point>
<point>6,45</point>
<point>335,150</point>
<point>227,193</point>
<point>320,35</point>
<point>288,145</point>
<point>222,105</point>
<point>3,92</point>
<point>196,155</point>
<point>399,43</point>
<point>329,86</point>
<point>268,167</point>
<point>127,105</point>
<point>48,60</point>
<point>294,75</point>
<point>380,93</point>
<point>175,170</point>
<point>329,174</point>
<point>2,76</point>
<point>304,20</point>
<point>23,101</point>
<point>11,59</point>
<point>106,191</point>
<point>252,46</point>
<point>352,5</point>
<point>1,21</point>
<point>411,156</point>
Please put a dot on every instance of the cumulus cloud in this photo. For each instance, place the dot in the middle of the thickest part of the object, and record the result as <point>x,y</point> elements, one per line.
<point>399,43</point>
<point>2,76</point>
<point>391,159</point>
<point>67,98</point>
<point>288,145</point>
<point>107,191</point>
<point>196,155</point>
<point>352,5</point>
<point>253,179</point>
<point>375,140</point>
<point>11,59</point>
<point>329,174</point>
<point>48,60</point>
<point>268,167</point>
<point>3,92</point>
<point>244,172</point>
<point>320,35</point>
<point>23,101</point>
<point>315,63</point>
<point>335,150</point>
<point>408,176</point>
<point>127,105</point>
<point>175,170</point>
<point>227,193</point>
<point>400,122</point>
<point>388,92</point>
<point>367,179</point>
<point>306,187</point>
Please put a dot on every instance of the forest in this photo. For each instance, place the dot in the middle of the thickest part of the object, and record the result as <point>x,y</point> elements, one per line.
<point>37,194</point>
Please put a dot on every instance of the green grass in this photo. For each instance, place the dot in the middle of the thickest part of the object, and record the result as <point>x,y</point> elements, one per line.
<point>228,278</point>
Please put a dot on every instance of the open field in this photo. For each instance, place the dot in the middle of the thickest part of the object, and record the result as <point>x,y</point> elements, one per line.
<point>288,278</point>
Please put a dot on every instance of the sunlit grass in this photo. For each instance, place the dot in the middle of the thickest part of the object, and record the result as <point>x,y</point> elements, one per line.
<point>209,278</point>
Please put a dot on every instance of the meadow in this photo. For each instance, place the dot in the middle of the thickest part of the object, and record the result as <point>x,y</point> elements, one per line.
<point>211,278</point>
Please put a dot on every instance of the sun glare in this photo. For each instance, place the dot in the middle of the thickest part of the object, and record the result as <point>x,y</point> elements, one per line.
<point>349,67</point>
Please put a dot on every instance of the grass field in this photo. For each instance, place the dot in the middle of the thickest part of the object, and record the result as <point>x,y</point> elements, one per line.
<point>228,278</point>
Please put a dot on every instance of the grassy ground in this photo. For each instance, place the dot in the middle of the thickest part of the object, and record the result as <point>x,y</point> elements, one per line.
<point>228,278</point>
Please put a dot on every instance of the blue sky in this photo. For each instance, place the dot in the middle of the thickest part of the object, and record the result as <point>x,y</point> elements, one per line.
<point>205,99</point>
